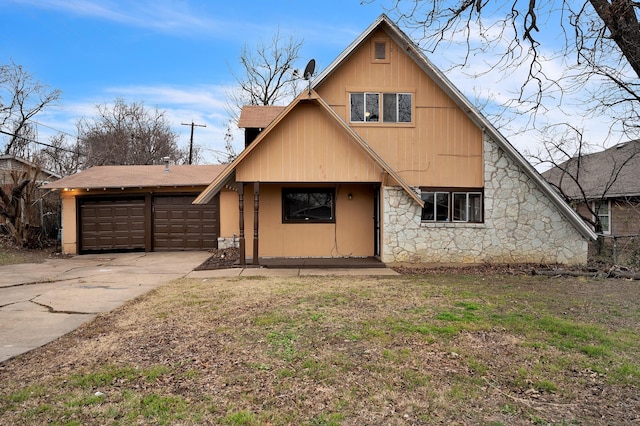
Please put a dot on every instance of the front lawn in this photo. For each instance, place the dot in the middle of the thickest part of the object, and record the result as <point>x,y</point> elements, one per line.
<point>427,349</point>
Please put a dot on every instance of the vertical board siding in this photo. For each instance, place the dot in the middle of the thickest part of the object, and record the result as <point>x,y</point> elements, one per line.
<point>308,146</point>
<point>442,148</point>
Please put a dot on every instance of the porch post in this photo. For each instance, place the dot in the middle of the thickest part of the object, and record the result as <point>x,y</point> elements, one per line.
<point>241,248</point>
<point>256,207</point>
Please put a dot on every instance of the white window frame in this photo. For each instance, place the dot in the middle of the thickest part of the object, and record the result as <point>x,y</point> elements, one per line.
<point>380,119</point>
<point>606,225</point>
<point>364,106</point>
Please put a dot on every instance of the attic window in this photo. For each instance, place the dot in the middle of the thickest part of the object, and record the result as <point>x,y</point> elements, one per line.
<point>380,51</point>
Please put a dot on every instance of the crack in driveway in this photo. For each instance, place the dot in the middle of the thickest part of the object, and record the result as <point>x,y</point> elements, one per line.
<point>54,311</point>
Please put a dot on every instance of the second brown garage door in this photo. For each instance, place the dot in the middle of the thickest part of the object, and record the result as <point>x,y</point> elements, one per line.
<point>180,225</point>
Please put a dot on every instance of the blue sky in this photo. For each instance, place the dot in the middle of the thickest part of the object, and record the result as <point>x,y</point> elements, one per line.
<point>180,55</point>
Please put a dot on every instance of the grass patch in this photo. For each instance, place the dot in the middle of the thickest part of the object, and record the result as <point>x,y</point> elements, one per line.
<point>319,351</point>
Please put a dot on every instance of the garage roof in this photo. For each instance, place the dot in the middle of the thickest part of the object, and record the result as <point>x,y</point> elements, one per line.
<point>140,176</point>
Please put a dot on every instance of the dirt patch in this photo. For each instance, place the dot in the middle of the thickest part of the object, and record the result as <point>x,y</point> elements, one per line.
<point>416,349</point>
<point>12,254</point>
<point>220,259</point>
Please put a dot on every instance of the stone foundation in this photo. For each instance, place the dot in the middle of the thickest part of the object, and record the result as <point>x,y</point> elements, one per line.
<point>228,242</point>
<point>521,225</point>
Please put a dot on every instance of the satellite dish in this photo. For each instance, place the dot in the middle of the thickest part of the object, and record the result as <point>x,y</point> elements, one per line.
<point>309,69</point>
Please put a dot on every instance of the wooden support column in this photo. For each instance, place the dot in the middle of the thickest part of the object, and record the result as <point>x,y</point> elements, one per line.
<point>243,256</point>
<point>256,208</point>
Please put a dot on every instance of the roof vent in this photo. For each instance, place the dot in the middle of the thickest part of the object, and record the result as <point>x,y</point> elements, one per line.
<point>166,164</point>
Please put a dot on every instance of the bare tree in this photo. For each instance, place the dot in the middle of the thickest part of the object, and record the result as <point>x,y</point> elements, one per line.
<point>59,156</point>
<point>599,45</point>
<point>21,98</point>
<point>267,78</point>
<point>127,134</point>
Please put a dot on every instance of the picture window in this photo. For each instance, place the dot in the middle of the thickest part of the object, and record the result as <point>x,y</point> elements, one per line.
<point>304,205</point>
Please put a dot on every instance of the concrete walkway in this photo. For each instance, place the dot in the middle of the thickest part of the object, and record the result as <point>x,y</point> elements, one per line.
<point>41,302</point>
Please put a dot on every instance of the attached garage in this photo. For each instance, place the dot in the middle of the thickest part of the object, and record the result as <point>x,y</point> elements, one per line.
<point>138,208</point>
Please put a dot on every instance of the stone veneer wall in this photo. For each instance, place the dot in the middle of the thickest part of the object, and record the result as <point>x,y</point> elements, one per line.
<point>521,224</point>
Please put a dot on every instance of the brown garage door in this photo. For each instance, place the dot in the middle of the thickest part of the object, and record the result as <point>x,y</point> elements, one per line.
<point>179,225</point>
<point>112,225</point>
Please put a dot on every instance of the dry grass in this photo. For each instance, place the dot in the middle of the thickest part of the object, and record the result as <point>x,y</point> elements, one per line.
<point>439,349</point>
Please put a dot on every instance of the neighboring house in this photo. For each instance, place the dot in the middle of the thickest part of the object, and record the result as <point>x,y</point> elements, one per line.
<point>384,157</point>
<point>39,210</point>
<point>138,208</point>
<point>13,168</point>
<point>605,184</point>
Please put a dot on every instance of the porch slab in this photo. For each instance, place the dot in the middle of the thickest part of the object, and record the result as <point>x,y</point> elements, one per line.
<point>320,262</point>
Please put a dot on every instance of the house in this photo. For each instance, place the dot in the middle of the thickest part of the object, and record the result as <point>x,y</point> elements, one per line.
<point>38,209</point>
<point>382,156</point>
<point>138,208</point>
<point>605,184</point>
<point>13,168</point>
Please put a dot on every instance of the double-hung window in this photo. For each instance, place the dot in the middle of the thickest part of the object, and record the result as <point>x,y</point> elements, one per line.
<point>452,206</point>
<point>396,107</point>
<point>602,210</point>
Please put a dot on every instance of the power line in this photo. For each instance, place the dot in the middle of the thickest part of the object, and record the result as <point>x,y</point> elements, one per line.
<point>38,142</point>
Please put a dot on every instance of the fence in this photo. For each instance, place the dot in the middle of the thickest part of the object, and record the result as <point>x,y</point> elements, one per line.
<point>621,250</point>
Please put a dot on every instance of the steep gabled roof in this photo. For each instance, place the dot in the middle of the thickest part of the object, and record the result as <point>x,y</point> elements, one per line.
<point>109,177</point>
<point>443,82</point>
<point>612,173</point>
<point>258,116</point>
<point>225,177</point>
<point>385,23</point>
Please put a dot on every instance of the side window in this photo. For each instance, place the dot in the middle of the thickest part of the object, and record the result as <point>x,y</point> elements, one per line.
<point>441,206</point>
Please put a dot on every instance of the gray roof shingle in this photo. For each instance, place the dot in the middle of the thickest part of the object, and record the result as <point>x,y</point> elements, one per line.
<point>614,172</point>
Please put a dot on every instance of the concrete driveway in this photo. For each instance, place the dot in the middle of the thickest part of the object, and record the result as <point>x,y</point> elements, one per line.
<point>41,302</point>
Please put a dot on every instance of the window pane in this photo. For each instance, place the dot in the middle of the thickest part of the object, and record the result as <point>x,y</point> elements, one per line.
<point>460,207</point>
<point>389,108</point>
<point>428,211</point>
<point>475,207</point>
<point>308,205</point>
<point>357,107</point>
<point>372,107</point>
<point>442,206</point>
<point>404,108</point>
<point>602,210</point>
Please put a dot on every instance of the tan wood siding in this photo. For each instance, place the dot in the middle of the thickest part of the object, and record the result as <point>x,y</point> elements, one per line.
<point>442,147</point>
<point>308,146</point>
<point>351,234</point>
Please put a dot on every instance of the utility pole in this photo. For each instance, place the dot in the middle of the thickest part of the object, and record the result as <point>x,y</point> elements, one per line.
<point>192,124</point>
